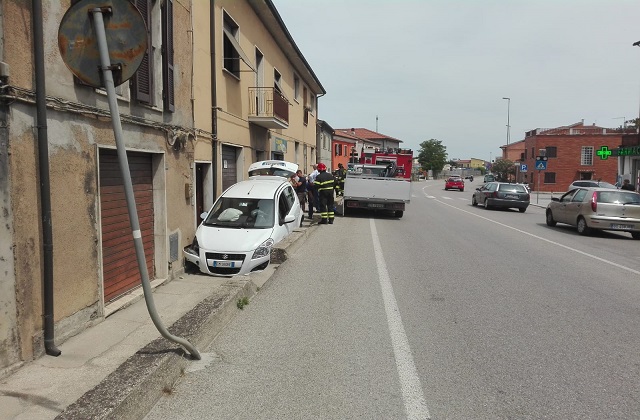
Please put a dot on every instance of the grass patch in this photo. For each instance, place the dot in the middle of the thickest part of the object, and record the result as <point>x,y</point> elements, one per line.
<point>243,302</point>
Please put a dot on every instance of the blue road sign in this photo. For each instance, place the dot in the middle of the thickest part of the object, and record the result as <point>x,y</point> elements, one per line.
<point>523,168</point>
<point>541,165</point>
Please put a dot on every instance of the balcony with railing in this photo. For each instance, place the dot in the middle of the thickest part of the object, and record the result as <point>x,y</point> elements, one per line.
<point>268,108</point>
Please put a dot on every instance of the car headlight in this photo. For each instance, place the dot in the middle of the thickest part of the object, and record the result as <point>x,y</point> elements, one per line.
<point>194,248</point>
<point>263,250</point>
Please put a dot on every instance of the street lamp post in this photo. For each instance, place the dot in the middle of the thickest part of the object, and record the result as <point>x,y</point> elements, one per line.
<point>508,125</point>
<point>637,44</point>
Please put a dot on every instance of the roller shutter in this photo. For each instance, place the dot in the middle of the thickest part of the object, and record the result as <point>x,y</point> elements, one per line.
<point>120,266</point>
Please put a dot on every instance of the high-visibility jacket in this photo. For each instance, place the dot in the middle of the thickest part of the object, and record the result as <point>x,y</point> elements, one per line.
<point>324,182</point>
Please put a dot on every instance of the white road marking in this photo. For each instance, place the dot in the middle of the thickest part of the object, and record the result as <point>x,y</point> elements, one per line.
<point>415,404</point>
<point>577,251</point>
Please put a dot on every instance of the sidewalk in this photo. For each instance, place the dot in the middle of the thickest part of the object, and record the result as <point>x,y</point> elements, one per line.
<point>543,198</point>
<point>119,368</point>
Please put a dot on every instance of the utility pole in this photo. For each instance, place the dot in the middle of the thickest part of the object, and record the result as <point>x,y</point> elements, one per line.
<point>637,44</point>
<point>508,124</point>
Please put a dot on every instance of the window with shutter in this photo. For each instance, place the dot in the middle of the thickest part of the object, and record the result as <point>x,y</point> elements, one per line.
<point>142,80</point>
<point>168,92</point>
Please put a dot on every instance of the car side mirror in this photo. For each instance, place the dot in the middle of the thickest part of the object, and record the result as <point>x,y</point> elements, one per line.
<point>203,215</point>
<point>555,199</point>
<point>478,189</point>
<point>289,218</point>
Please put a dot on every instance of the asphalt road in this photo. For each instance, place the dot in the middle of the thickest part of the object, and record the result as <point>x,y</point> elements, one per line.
<point>452,312</point>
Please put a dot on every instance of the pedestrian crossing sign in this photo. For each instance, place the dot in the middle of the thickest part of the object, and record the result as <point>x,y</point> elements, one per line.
<point>541,165</point>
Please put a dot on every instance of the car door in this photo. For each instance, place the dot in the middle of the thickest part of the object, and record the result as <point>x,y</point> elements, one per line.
<point>479,194</point>
<point>293,205</point>
<point>488,190</point>
<point>561,212</point>
<point>576,206</point>
<point>285,202</point>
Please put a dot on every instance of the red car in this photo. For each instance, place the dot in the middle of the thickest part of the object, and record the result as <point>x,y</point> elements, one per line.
<point>454,183</point>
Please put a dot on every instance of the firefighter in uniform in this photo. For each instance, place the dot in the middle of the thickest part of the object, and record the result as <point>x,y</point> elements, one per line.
<point>341,174</point>
<point>324,184</point>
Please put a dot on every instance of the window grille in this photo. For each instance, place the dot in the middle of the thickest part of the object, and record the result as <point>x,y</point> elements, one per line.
<point>586,157</point>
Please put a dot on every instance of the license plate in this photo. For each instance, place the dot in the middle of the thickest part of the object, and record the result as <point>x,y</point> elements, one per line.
<point>511,196</point>
<point>617,226</point>
<point>228,264</point>
<point>376,205</point>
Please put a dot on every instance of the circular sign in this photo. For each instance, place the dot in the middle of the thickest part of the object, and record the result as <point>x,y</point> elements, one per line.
<point>126,35</point>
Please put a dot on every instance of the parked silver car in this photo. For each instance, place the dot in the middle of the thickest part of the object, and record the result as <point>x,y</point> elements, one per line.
<point>502,195</point>
<point>597,208</point>
<point>591,183</point>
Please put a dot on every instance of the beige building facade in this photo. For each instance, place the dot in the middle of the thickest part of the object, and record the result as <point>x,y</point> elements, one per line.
<point>200,109</point>
<point>255,95</point>
<point>93,259</point>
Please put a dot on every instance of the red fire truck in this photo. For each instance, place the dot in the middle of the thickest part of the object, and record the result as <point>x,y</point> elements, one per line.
<point>401,160</point>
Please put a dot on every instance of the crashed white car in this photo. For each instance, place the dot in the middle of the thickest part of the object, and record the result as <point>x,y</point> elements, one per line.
<point>237,234</point>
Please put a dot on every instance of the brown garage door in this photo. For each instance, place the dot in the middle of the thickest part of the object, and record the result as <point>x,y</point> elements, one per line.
<point>229,169</point>
<point>120,265</point>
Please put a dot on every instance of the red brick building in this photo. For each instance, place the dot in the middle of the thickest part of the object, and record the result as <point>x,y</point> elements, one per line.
<point>573,152</point>
<point>342,145</point>
<point>346,141</point>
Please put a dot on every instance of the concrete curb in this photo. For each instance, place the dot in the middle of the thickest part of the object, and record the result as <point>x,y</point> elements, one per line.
<point>136,385</point>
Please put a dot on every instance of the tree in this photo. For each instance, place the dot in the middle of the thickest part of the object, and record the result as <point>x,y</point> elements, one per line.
<point>432,156</point>
<point>503,168</point>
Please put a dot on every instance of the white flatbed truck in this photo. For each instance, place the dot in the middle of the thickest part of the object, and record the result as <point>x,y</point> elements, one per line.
<point>370,187</point>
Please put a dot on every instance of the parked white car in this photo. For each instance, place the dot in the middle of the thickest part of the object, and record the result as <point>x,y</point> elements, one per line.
<point>236,236</point>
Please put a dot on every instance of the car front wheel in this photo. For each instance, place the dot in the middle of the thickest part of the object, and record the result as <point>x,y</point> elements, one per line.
<point>583,229</point>
<point>473,201</point>
<point>635,235</point>
<point>486,204</point>
<point>550,220</point>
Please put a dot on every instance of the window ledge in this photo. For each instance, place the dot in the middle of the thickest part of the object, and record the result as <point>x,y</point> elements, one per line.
<point>228,73</point>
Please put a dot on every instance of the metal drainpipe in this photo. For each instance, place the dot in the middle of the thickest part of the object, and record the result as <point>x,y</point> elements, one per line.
<point>45,185</point>
<point>214,100</point>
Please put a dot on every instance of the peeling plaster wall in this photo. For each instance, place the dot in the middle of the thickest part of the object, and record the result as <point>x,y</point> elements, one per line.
<point>9,350</point>
<point>73,142</point>
<point>8,311</point>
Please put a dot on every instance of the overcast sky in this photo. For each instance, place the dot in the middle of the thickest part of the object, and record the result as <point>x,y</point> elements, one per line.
<point>440,68</point>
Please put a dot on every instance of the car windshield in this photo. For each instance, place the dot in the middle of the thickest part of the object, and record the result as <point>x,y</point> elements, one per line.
<point>369,170</point>
<point>454,179</point>
<point>618,197</point>
<point>600,184</point>
<point>272,170</point>
<point>515,188</point>
<point>247,213</point>
<point>603,184</point>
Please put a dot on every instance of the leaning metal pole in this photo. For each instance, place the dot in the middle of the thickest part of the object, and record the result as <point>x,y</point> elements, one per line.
<point>128,186</point>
